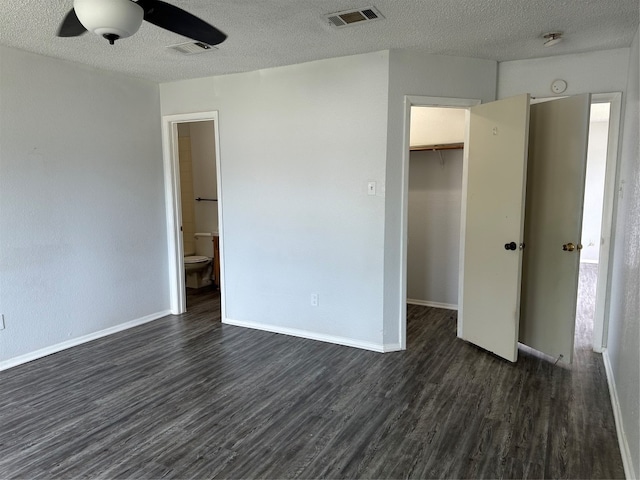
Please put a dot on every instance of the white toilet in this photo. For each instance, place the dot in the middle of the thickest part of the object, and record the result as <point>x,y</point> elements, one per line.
<point>198,271</point>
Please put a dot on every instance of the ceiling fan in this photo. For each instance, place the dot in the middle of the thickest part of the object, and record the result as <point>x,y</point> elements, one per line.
<point>115,19</point>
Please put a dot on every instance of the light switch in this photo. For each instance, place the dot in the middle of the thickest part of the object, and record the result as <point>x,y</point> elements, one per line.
<point>371,188</point>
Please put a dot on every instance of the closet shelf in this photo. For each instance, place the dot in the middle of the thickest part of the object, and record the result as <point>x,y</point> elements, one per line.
<point>443,146</point>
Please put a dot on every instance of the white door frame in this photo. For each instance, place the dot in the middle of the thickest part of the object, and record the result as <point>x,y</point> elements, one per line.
<point>416,101</point>
<point>603,292</point>
<point>177,294</point>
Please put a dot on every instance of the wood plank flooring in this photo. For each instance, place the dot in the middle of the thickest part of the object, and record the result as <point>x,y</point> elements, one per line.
<point>188,397</point>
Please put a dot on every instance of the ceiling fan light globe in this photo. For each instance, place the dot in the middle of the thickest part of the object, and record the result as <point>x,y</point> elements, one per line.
<point>109,17</point>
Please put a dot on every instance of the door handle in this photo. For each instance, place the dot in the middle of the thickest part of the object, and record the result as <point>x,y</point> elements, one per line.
<point>569,247</point>
<point>510,246</point>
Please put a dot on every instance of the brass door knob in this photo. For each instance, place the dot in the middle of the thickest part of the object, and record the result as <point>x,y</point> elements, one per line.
<point>568,247</point>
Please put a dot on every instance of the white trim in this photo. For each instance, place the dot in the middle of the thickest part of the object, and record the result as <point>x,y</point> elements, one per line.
<point>589,261</point>
<point>295,332</point>
<point>418,101</point>
<point>391,347</point>
<point>627,461</point>
<point>43,352</point>
<point>607,227</point>
<point>177,299</point>
<point>427,303</point>
<point>177,295</point>
<point>463,226</point>
<point>447,102</point>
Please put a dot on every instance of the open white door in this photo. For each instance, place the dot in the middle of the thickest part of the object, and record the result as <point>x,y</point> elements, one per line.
<point>557,166</point>
<point>492,225</point>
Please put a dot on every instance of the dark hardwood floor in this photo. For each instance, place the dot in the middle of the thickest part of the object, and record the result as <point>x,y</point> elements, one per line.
<point>188,397</point>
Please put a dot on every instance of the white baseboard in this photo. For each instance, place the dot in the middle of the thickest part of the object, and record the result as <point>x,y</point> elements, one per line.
<point>392,347</point>
<point>617,415</point>
<point>589,261</point>
<point>425,303</point>
<point>294,332</point>
<point>43,352</point>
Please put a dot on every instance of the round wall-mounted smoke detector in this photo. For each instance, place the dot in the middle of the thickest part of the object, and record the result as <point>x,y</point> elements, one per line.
<point>558,86</point>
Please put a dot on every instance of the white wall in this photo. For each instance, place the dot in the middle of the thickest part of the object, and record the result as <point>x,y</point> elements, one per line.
<point>603,72</point>
<point>82,222</point>
<point>437,126</point>
<point>187,197</point>
<point>298,146</point>
<point>435,196</point>
<point>415,73</point>
<point>592,72</point>
<point>623,345</point>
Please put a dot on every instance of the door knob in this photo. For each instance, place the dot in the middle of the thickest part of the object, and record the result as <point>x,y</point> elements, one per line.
<point>510,246</point>
<point>569,247</point>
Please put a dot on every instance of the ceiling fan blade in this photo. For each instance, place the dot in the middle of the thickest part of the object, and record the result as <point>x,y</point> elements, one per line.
<point>178,21</point>
<point>71,26</point>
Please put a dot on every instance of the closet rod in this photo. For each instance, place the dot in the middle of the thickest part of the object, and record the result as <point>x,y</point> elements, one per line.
<point>445,146</point>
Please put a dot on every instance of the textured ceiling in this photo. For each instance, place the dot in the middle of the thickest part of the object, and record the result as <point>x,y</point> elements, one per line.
<point>268,33</point>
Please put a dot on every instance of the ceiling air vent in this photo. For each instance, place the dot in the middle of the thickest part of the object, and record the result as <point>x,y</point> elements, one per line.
<point>192,48</point>
<point>352,17</point>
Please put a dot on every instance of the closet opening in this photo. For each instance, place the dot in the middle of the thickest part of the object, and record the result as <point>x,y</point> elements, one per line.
<point>434,207</point>
<point>435,130</point>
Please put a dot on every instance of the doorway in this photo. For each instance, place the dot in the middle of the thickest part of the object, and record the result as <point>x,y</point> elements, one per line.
<point>194,207</point>
<point>598,226</point>
<point>435,196</point>
<point>198,198</point>
<point>592,224</point>
<point>596,236</point>
<point>411,101</point>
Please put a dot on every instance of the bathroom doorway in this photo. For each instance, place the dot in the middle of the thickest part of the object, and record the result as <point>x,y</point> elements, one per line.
<point>192,183</point>
<point>198,198</point>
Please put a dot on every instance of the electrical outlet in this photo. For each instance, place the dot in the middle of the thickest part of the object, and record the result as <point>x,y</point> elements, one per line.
<point>2,321</point>
<point>314,300</point>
